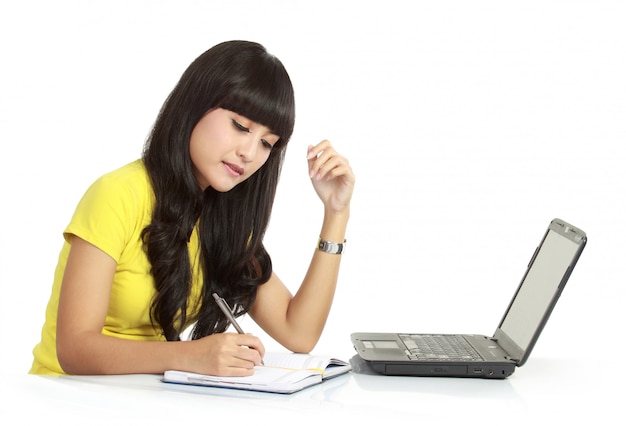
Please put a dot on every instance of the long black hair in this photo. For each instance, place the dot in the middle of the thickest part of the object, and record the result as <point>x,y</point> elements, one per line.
<point>242,77</point>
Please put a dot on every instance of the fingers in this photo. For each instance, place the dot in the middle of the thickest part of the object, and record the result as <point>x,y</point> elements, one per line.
<point>242,350</point>
<point>332,176</point>
<point>325,162</point>
<point>246,350</point>
<point>228,354</point>
<point>253,344</point>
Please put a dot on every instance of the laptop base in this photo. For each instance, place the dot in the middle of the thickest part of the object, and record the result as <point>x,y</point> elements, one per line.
<point>488,371</point>
<point>385,354</point>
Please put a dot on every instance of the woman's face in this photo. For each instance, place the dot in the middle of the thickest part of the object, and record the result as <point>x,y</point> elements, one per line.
<point>227,148</point>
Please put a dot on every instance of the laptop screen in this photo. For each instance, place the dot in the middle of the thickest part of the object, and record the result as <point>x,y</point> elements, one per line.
<point>540,289</point>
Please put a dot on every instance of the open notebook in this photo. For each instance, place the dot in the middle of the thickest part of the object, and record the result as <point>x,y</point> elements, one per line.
<point>475,355</point>
<point>282,373</point>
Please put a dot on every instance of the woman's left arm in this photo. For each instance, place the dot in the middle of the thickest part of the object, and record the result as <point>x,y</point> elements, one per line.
<point>297,321</point>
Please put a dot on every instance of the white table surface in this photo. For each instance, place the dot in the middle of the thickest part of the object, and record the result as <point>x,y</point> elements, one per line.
<point>544,390</point>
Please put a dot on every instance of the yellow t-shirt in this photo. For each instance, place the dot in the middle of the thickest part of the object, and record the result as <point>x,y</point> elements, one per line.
<point>111,216</point>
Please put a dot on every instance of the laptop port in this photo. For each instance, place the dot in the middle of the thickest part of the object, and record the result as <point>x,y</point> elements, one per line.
<point>478,370</point>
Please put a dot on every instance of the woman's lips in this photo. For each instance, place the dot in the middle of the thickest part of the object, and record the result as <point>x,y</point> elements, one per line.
<point>234,169</point>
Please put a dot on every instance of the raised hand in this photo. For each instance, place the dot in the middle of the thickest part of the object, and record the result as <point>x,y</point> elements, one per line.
<point>331,175</point>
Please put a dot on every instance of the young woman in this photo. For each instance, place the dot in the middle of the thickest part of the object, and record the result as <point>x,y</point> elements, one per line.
<point>151,242</point>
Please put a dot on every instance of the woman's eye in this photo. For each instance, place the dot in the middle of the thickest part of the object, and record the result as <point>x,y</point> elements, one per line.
<point>266,144</point>
<point>238,126</point>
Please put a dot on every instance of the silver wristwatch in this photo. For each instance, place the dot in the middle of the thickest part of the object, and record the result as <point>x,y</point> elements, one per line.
<point>330,247</point>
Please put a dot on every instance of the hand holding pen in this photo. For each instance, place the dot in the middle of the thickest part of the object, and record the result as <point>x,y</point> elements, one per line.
<point>221,302</point>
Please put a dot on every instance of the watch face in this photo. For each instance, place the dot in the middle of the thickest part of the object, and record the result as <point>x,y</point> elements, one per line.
<point>330,247</point>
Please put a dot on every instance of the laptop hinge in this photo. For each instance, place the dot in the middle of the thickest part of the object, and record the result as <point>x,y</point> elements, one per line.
<point>515,360</point>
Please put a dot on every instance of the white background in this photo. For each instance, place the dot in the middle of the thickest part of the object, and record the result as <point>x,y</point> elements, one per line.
<point>469,125</point>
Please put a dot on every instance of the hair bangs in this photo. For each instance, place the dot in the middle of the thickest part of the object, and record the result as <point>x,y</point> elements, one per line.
<point>265,96</point>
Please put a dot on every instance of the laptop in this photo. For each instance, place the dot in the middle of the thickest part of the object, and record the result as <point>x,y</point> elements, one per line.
<point>471,355</point>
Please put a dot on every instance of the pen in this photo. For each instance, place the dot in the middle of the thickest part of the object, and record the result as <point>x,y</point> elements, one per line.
<point>229,314</point>
<point>221,302</point>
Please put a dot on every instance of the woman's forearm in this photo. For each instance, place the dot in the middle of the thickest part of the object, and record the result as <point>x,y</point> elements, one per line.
<point>309,309</point>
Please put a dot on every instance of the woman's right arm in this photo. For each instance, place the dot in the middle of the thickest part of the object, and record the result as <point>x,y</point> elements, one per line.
<point>83,349</point>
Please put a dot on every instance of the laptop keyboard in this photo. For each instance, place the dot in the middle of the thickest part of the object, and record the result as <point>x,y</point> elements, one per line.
<point>439,347</point>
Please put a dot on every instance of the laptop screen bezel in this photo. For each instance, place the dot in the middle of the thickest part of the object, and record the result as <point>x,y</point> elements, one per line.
<point>564,230</point>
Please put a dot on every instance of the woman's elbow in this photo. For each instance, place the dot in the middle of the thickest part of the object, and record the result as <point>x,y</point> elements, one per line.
<point>71,357</point>
<point>302,345</point>
<point>68,357</point>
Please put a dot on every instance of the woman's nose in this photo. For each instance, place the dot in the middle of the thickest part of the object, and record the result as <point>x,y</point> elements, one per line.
<point>246,150</point>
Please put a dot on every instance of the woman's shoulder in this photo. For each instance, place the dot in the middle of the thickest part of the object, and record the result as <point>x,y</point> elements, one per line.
<point>128,185</point>
<point>132,177</point>
<point>114,209</point>
<point>134,171</point>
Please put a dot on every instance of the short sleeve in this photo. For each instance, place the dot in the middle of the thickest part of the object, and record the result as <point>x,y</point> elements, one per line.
<point>106,215</point>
